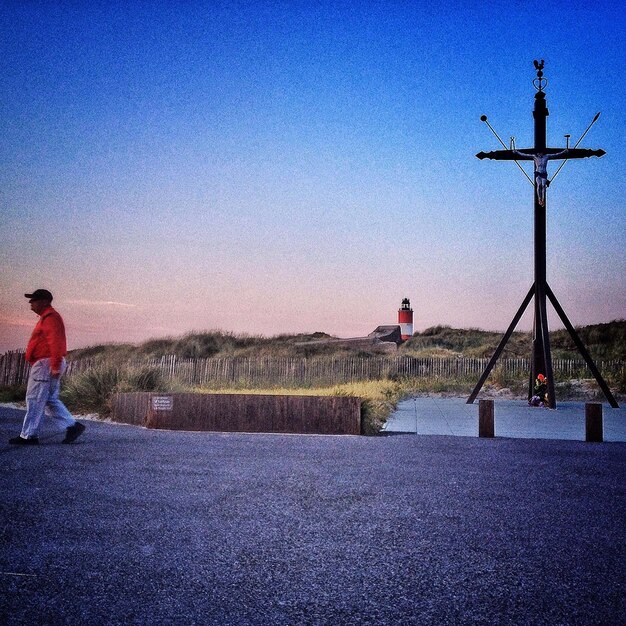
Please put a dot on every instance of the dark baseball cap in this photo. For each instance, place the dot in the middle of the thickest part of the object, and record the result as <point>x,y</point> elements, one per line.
<point>39,294</point>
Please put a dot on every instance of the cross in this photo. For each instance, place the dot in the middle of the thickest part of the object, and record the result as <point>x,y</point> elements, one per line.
<point>541,154</point>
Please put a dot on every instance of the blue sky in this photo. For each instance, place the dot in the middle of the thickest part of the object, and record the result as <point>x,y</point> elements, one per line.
<point>278,167</point>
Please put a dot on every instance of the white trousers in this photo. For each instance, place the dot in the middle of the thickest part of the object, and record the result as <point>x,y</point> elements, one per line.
<point>42,396</point>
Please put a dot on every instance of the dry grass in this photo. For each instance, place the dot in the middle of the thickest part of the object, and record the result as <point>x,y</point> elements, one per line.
<point>380,397</point>
<point>604,341</point>
<point>92,390</point>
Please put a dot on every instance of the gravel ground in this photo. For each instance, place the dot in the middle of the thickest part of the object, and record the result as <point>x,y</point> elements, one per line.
<point>131,526</point>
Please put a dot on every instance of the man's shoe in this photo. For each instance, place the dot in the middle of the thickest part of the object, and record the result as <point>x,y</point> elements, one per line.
<point>20,441</point>
<point>73,432</point>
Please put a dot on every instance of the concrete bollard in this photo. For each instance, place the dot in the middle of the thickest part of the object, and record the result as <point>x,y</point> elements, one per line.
<point>593,422</point>
<point>485,418</point>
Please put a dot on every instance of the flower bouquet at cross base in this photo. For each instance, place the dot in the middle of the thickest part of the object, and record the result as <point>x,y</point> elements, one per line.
<point>540,392</point>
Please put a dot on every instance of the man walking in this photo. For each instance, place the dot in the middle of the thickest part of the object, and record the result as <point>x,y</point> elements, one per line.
<point>46,352</point>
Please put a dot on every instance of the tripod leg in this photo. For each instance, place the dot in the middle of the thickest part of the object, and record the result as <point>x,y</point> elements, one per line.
<point>582,349</point>
<point>500,347</point>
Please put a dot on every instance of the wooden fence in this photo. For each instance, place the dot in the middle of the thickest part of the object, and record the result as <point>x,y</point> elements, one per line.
<point>300,371</point>
<point>14,368</point>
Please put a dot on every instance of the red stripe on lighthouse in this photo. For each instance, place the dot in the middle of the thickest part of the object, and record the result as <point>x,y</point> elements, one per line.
<point>405,319</point>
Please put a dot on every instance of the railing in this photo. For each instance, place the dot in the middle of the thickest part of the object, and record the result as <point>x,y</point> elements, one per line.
<point>285,371</point>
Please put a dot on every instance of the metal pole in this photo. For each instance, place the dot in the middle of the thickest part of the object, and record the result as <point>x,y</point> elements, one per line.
<point>542,358</point>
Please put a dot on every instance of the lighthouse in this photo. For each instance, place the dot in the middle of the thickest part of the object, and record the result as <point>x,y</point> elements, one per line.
<point>405,319</point>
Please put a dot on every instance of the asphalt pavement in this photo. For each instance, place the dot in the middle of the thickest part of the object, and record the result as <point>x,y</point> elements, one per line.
<point>136,526</point>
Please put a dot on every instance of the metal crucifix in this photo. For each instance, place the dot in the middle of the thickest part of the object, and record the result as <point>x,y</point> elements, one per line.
<point>540,154</point>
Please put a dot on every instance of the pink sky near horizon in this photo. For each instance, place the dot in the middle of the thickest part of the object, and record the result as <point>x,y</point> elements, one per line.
<point>95,322</point>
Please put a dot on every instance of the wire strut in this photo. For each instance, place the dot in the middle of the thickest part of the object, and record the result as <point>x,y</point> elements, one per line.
<point>484,119</point>
<point>593,121</point>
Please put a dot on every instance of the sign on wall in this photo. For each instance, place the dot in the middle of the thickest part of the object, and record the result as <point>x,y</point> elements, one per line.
<point>162,403</point>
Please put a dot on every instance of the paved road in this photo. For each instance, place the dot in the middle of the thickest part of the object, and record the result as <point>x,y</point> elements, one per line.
<point>130,526</point>
<point>432,415</point>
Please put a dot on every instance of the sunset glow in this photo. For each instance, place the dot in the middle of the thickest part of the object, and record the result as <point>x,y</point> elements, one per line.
<point>268,168</point>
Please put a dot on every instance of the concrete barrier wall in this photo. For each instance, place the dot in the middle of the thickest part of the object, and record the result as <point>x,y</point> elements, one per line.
<point>329,415</point>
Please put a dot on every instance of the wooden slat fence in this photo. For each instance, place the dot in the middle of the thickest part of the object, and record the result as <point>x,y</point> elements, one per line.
<point>14,368</point>
<point>261,371</point>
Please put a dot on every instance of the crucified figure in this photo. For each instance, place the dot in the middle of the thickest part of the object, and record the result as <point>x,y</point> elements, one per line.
<point>541,169</point>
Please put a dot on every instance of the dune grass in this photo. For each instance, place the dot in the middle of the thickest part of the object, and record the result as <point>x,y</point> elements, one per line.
<point>13,393</point>
<point>604,341</point>
<point>380,397</point>
<point>92,390</point>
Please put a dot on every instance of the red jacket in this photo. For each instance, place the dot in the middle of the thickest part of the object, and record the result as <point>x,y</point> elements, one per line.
<point>48,340</point>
